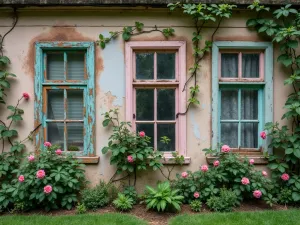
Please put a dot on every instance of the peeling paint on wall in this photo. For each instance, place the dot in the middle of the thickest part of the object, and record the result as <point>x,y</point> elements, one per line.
<point>113,76</point>
<point>195,126</point>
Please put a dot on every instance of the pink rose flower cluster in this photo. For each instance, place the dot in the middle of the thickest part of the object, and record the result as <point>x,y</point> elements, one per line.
<point>30,158</point>
<point>196,195</point>
<point>130,159</point>
<point>245,181</point>
<point>142,134</point>
<point>285,177</point>
<point>204,168</point>
<point>225,149</point>
<point>40,174</point>
<point>257,194</point>
<point>47,144</point>
<point>263,135</point>
<point>216,163</point>
<point>47,189</point>
<point>251,161</point>
<point>25,95</point>
<point>184,174</point>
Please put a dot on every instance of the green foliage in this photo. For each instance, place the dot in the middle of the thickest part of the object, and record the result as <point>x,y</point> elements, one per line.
<point>73,148</point>
<point>97,197</point>
<point>123,203</point>
<point>196,205</point>
<point>81,209</point>
<point>224,202</point>
<point>285,196</point>
<point>129,191</point>
<point>123,144</point>
<point>130,31</point>
<point>163,198</point>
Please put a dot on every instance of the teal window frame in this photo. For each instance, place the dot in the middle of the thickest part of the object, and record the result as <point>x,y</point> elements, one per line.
<point>87,85</point>
<point>265,94</point>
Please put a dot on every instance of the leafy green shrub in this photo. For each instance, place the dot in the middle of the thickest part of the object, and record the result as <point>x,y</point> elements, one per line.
<point>123,202</point>
<point>46,180</point>
<point>129,191</point>
<point>196,205</point>
<point>96,197</point>
<point>73,148</point>
<point>80,209</point>
<point>164,198</point>
<point>224,202</point>
<point>130,151</point>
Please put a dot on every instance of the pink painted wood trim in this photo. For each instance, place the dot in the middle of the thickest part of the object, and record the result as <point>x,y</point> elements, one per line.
<point>180,46</point>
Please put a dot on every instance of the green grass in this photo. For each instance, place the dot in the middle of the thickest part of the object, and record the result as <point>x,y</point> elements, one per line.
<point>240,218</point>
<point>87,219</point>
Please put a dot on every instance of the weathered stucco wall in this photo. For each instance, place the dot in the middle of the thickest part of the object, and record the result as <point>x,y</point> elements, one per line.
<point>86,24</point>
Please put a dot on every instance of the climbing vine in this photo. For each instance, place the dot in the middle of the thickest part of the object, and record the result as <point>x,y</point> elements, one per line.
<point>201,15</point>
<point>283,27</point>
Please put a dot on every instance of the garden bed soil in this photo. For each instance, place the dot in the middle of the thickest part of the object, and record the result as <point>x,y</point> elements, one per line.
<point>155,218</point>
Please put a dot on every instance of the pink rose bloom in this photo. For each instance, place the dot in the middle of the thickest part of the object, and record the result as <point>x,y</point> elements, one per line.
<point>257,193</point>
<point>30,158</point>
<point>184,174</point>
<point>40,174</point>
<point>47,189</point>
<point>58,151</point>
<point>196,195</point>
<point>26,95</point>
<point>251,161</point>
<point>216,163</point>
<point>285,177</point>
<point>142,134</point>
<point>130,159</point>
<point>245,181</point>
<point>264,173</point>
<point>263,135</point>
<point>21,178</point>
<point>47,144</point>
<point>225,149</point>
<point>204,168</point>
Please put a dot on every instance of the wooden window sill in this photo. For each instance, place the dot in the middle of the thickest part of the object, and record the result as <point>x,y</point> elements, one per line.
<point>258,157</point>
<point>88,159</point>
<point>169,160</point>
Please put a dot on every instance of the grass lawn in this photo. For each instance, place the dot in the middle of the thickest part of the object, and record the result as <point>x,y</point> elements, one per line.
<point>87,219</point>
<point>245,218</point>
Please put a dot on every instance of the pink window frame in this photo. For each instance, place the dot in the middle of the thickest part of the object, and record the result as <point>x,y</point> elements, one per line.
<point>175,46</point>
<point>240,78</point>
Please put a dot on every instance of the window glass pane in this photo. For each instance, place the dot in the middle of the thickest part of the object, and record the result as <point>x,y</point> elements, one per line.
<point>145,104</point>
<point>75,136</point>
<point>249,133</point>
<point>166,104</point>
<point>165,65</point>
<point>169,131</point>
<point>75,104</point>
<point>55,66</point>
<point>249,104</point>
<point>148,129</point>
<point>229,65</point>
<point>145,66</point>
<point>229,134</point>
<point>229,104</point>
<point>55,134</point>
<point>55,108</point>
<point>250,63</point>
<point>75,66</point>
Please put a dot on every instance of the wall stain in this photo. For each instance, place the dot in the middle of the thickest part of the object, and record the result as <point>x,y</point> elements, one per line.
<point>61,34</point>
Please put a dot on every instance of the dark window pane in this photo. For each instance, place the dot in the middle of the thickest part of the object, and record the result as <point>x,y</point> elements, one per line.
<point>55,104</point>
<point>75,104</point>
<point>169,131</point>
<point>149,131</point>
<point>75,66</point>
<point>229,65</point>
<point>165,104</point>
<point>250,63</point>
<point>229,105</point>
<point>165,65</point>
<point>145,66</point>
<point>55,66</point>
<point>249,135</point>
<point>55,134</point>
<point>249,104</point>
<point>229,134</point>
<point>145,104</point>
<point>75,136</point>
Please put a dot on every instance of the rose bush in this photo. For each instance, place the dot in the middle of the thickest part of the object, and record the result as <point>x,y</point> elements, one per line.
<point>46,180</point>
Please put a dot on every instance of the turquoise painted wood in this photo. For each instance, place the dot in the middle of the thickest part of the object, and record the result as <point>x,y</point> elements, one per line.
<point>265,94</point>
<point>87,85</point>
